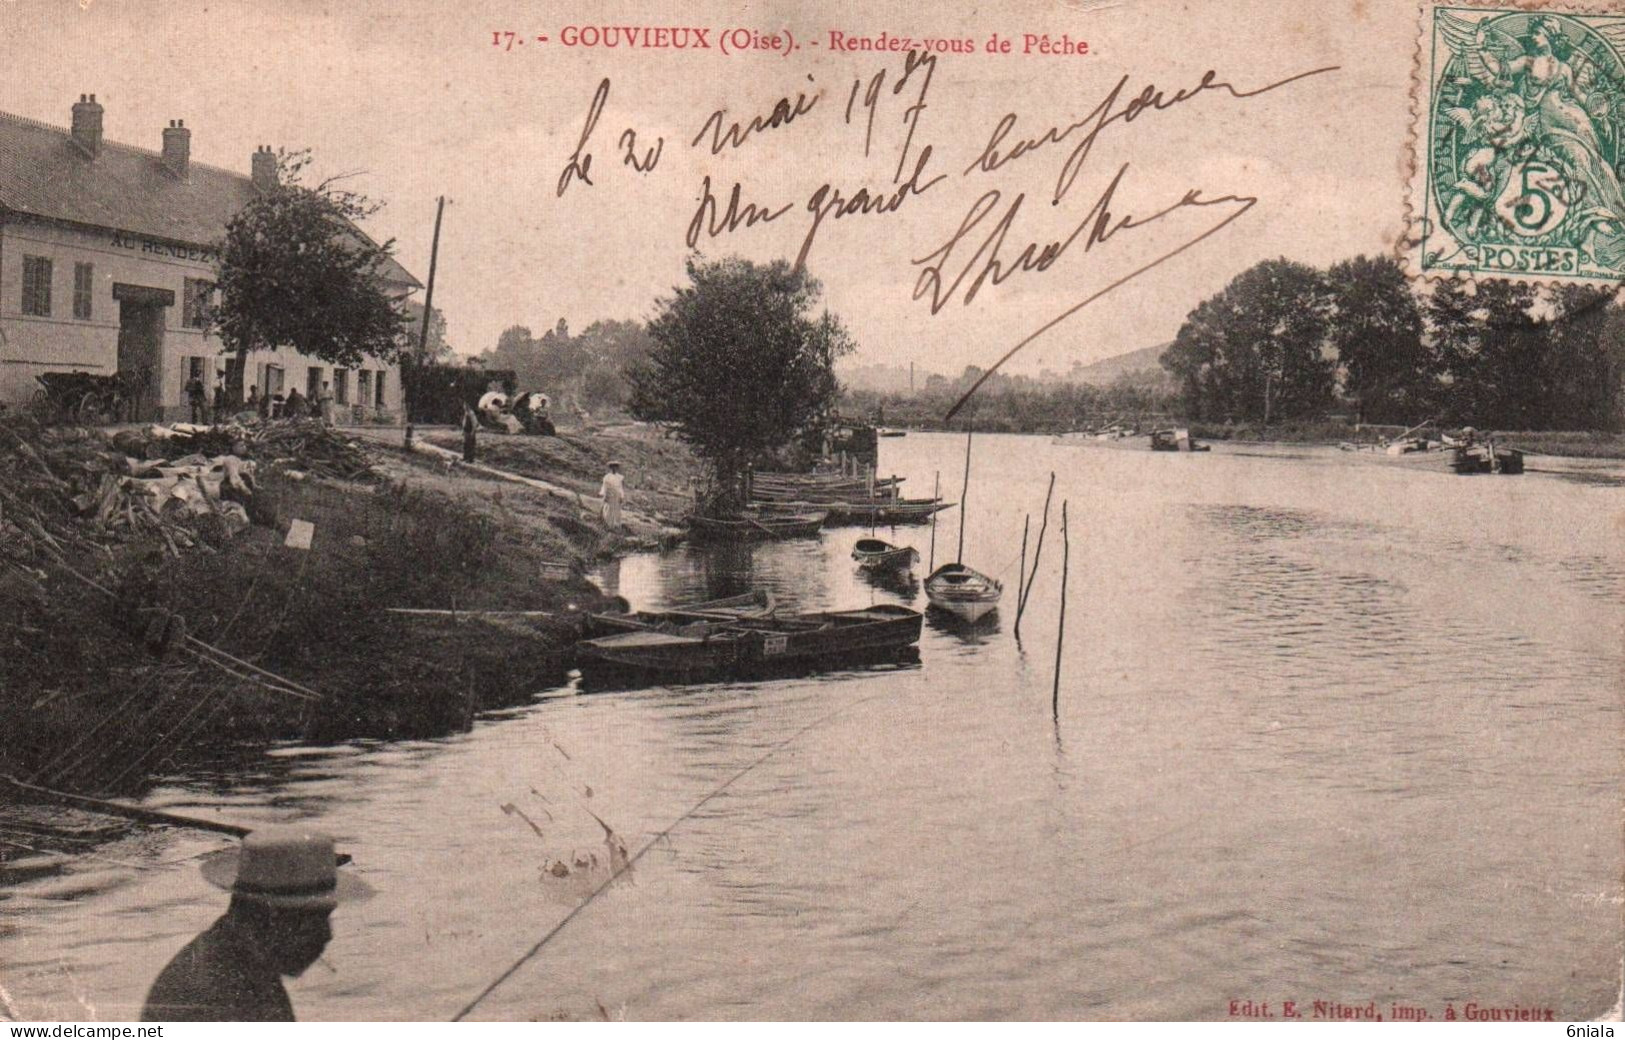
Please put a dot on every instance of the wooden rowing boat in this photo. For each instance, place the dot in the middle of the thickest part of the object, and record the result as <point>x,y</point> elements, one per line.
<point>756,644</point>
<point>880,512</point>
<point>755,604</point>
<point>877,554</point>
<point>744,528</point>
<point>962,591</point>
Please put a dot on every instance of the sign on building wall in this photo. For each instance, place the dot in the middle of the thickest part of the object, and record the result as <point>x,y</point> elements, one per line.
<point>153,247</point>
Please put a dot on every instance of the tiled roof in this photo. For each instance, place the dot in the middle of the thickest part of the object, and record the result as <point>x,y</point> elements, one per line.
<point>44,173</point>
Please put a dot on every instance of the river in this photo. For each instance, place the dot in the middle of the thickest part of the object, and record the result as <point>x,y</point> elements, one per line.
<point>1328,730</point>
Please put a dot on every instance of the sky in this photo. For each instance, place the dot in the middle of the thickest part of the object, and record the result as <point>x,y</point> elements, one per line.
<point>416,101</point>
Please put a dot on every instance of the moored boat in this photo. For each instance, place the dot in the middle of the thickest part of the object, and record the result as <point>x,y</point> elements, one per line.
<point>879,512</point>
<point>755,604</point>
<point>877,554</point>
<point>963,591</point>
<point>1175,439</point>
<point>1110,437</point>
<point>746,528</point>
<point>1461,458</point>
<point>1486,458</point>
<point>757,644</point>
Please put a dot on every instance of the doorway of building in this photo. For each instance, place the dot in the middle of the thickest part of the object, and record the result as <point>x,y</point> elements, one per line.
<point>140,350</point>
<point>141,347</point>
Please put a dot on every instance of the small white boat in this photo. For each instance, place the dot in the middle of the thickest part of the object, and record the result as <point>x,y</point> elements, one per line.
<point>962,591</point>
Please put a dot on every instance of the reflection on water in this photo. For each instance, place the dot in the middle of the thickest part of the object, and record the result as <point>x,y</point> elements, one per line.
<point>1328,730</point>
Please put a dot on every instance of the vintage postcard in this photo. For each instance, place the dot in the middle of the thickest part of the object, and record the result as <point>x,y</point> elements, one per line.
<point>1037,510</point>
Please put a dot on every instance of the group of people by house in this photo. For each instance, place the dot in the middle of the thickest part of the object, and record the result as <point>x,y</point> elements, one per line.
<point>292,405</point>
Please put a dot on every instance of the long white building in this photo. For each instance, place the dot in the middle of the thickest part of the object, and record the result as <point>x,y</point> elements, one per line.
<point>107,264</point>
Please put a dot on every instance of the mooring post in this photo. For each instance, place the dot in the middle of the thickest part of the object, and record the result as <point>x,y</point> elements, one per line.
<point>1021,572</point>
<point>1060,627</point>
<point>936,501</point>
<point>1038,551</point>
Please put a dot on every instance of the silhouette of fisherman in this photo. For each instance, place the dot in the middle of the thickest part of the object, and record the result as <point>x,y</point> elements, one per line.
<point>284,882</point>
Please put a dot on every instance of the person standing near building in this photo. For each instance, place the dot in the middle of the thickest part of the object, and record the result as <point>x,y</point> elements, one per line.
<point>471,425</point>
<point>197,397</point>
<point>284,884</point>
<point>255,402</point>
<point>613,490</point>
<point>222,403</point>
<point>324,401</point>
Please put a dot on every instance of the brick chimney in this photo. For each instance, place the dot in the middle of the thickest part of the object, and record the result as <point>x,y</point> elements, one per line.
<point>87,125</point>
<point>264,169</point>
<point>177,148</point>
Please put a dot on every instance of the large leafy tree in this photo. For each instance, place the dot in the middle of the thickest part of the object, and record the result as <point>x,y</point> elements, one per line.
<point>1254,351</point>
<point>743,364</point>
<point>1489,343</point>
<point>1376,328</point>
<point>295,270</point>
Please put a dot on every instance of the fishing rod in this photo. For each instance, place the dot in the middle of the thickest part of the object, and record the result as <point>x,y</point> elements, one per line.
<point>526,957</point>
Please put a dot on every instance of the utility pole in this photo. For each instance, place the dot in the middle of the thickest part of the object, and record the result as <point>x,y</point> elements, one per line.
<point>428,303</point>
<point>428,294</point>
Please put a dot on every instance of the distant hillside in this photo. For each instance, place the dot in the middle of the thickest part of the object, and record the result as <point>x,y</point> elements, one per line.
<point>1106,370</point>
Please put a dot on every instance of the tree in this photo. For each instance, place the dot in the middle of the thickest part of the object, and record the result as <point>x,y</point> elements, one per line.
<point>611,350</point>
<point>1582,373</point>
<point>296,271</point>
<point>1489,345</point>
<point>1376,328</point>
<point>435,349</point>
<point>1254,350</point>
<point>741,365</point>
<point>516,350</point>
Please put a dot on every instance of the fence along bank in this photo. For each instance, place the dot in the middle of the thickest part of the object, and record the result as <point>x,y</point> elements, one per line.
<point>107,262</point>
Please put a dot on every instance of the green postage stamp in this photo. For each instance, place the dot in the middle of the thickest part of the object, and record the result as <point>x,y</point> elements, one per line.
<point>1520,144</point>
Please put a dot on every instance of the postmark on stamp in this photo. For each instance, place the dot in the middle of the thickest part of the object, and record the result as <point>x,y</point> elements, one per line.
<point>1520,145</point>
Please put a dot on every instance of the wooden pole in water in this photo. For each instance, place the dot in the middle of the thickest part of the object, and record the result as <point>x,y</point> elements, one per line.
<point>1060,627</point>
<point>1038,551</point>
<point>131,812</point>
<point>936,497</point>
<point>1021,572</point>
<point>964,493</point>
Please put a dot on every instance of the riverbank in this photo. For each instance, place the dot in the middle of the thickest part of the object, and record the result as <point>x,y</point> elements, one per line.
<point>105,681</point>
<point>1573,444</point>
<point>1587,444</point>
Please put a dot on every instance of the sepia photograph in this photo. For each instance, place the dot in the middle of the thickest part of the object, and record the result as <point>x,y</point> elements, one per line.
<point>1046,510</point>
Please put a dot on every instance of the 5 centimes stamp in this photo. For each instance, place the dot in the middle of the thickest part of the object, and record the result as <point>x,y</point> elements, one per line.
<point>1521,144</point>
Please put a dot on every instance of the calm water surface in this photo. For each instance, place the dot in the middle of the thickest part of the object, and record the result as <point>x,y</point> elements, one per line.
<point>1329,730</point>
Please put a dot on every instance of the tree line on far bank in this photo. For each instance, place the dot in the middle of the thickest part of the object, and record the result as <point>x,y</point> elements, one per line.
<point>1286,341</point>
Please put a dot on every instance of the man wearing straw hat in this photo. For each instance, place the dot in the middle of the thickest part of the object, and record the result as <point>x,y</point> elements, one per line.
<point>284,882</point>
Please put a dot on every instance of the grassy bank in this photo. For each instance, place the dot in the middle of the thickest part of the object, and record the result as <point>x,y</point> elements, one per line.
<point>89,702</point>
<point>658,470</point>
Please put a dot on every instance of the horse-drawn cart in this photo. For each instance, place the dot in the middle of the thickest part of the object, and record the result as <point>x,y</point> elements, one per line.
<point>79,397</point>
